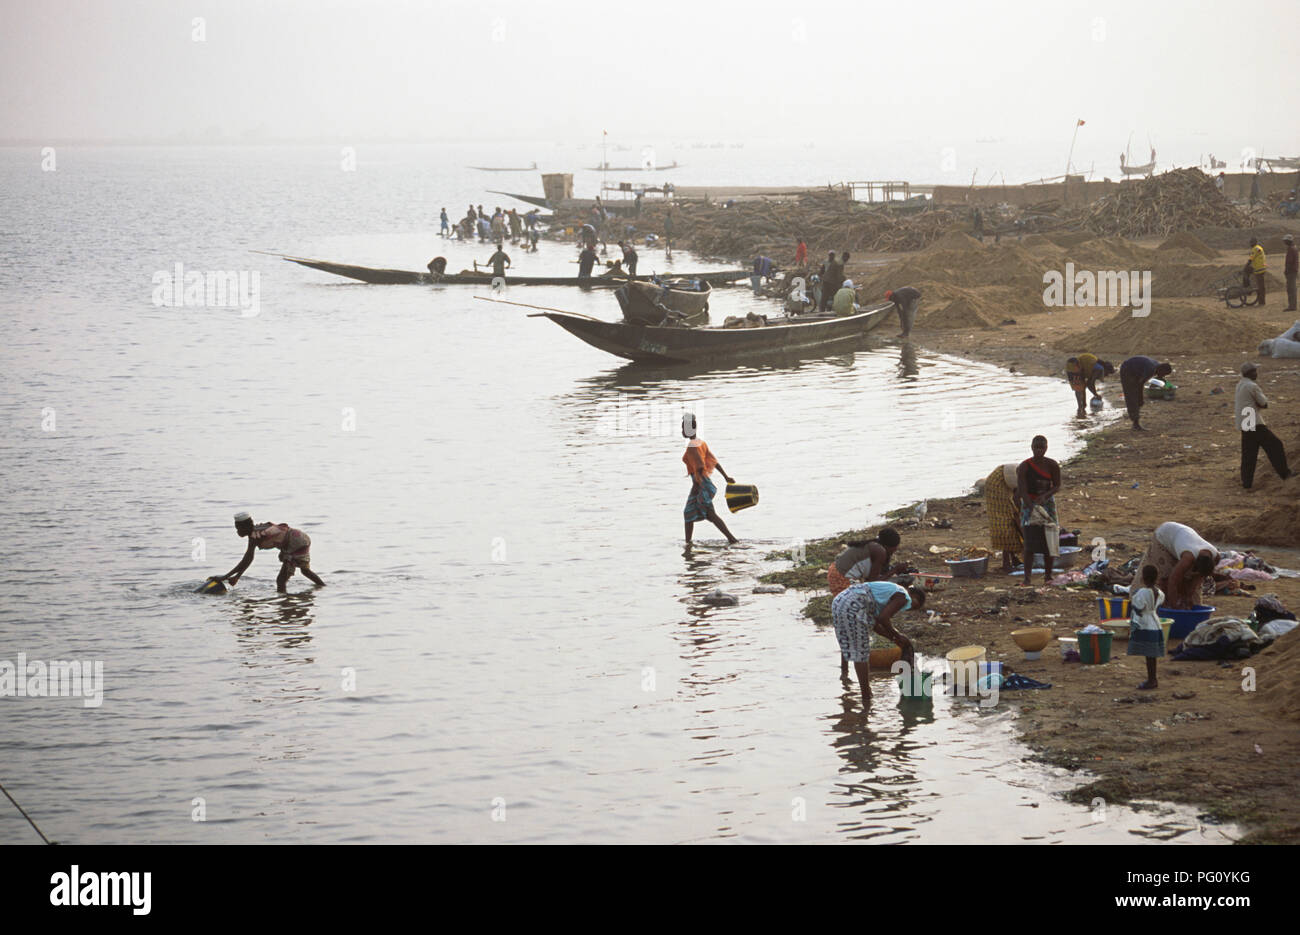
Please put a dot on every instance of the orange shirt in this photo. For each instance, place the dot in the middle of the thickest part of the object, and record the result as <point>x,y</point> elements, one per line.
<point>698,459</point>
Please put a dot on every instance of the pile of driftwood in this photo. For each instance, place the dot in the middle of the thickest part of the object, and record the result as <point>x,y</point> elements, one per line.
<point>1184,199</point>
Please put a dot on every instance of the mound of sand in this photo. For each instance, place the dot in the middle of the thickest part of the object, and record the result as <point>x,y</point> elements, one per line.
<point>1171,328</point>
<point>965,313</point>
<point>1279,677</point>
<point>1188,241</point>
<point>955,240</point>
<point>1071,240</point>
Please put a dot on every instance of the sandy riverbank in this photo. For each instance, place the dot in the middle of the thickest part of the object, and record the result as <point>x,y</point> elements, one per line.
<point>1199,738</point>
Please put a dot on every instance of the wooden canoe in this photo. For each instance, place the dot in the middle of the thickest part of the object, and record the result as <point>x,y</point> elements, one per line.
<point>402,277</point>
<point>655,303</point>
<point>649,344</point>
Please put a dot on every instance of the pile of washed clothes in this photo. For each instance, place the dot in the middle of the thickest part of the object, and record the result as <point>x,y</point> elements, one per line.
<point>1234,638</point>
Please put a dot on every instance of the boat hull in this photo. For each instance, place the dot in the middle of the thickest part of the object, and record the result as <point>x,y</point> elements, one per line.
<point>649,344</point>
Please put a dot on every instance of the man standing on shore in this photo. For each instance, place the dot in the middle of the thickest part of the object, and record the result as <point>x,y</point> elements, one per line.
<point>1258,264</point>
<point>1248,406</point>
<point>1291,269</point>
<point>1133,376</point>
<point>905,300</point>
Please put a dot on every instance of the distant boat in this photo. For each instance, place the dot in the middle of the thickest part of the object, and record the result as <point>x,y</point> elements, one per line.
<point>531,168</point>
<point>1127,168</point>
<point>1282,162</point>
<point>650,168</point>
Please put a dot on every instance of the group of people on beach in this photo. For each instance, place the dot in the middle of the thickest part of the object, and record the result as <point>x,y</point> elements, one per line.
<point>494,227</point>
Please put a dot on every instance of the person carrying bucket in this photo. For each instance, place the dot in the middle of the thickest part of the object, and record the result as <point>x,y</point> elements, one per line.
<point>700,465</point>
<point>870,607</point>
<point>294,546</point>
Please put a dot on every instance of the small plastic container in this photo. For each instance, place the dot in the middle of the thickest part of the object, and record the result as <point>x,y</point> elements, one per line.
<point>1094,648</point>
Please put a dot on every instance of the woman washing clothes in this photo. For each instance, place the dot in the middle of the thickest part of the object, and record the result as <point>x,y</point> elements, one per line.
<point>863,609</point>
<point>1002,504</point>
<point>1183,560</point>
<point>863,560</point>
<point>1083,372</point>
<point>1038,481</point>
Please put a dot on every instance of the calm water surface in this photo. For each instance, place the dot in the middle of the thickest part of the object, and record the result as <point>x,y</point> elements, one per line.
<point>496,509</point>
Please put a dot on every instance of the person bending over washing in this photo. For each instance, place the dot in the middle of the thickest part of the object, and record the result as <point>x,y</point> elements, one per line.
<point>871,607</point>
<point>1039,480</point>
<point>863,560</point>
<point>700,465</point>
<point>1183,560</point>
<point>1083,372</point>
<point>294,546</point>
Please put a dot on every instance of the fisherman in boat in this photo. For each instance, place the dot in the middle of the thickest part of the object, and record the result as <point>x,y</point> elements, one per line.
<point>629,258</point>
<point>845,301</point>
<point>498,261</point>
<point>700,465</point>
<point>294,546</point>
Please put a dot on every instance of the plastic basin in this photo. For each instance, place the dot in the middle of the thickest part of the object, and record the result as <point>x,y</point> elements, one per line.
<point>1094,648</point>
<point>1185,621</point>
<point>968,568</point>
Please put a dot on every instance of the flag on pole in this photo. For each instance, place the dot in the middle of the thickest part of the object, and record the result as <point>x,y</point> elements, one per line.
<point>1080,123</point>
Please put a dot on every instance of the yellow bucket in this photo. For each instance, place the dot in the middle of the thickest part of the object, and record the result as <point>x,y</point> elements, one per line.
<point>741,496</point>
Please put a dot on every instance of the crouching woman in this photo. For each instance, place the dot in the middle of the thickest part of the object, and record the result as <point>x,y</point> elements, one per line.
<point>863,608</point>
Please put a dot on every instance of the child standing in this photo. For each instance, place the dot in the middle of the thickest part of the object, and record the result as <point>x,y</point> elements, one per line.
<point>1145,637</point>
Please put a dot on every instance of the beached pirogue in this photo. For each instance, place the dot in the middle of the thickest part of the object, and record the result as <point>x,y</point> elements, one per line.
<point>676,344</point>
<point>468,278</point>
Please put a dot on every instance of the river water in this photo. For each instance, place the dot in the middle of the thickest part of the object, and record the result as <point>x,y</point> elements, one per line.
<point>511,645</point>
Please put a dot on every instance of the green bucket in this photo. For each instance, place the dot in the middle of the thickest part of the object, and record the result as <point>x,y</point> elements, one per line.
<point>1094,648</point>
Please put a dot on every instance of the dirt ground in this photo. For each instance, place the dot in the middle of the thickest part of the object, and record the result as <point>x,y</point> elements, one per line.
<point>1199,738</point>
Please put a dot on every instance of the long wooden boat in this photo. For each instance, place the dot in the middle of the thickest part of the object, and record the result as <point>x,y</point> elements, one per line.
<point>677,301</point>
<point>676,345</point>
<point>412,277</point>
<point>530,199</point>
<point>531,168</point>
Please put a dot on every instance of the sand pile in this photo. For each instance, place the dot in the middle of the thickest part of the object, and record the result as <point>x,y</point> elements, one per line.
<point>1187,241</point>
<point>1279,677</point>
<point>1234,238</point>
<point>1171,328</point>
<point>967,312</point>
<point>1181,200</point>
<point>956,240</point>
<point>1063,239</point>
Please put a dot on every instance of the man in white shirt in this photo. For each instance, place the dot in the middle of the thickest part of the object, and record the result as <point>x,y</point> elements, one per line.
<point>1248,411</point>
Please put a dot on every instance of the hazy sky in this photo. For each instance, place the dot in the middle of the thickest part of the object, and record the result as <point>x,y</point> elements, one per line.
<point>669,70</point>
